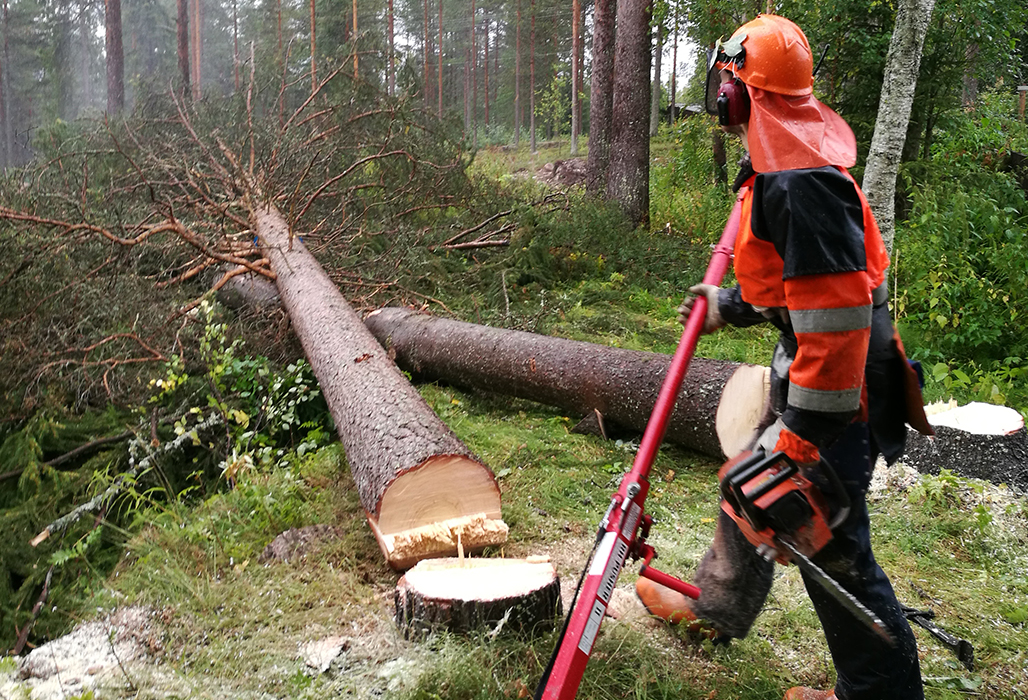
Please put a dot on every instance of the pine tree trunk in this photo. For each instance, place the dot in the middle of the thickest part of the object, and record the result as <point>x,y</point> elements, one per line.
<point>601,94</point>
<point>8,127</point>
<point>897,98</point>
<point>517,77</point>
<point>629,175</point>
<point>356,54</point>
<point>439,48</point>
<point>717,412</point>
<point>486,73</point>
<point>576,105</point>
<point>197,50</point>
<point>314,34</point>
<point>392,50</point>
<point>673,97</point>
<point>420,486</point>
<point>235,44</point>
<point>182,31</point>
<point>474,79</point>
<point>115,58</point>
<point>531,82</point>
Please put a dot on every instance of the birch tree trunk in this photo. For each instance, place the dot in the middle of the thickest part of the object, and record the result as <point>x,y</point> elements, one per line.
<point>901,70</point>
<point>658,40</point>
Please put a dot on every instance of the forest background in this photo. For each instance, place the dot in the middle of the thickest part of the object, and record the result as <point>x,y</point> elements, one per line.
<point>385,128</point>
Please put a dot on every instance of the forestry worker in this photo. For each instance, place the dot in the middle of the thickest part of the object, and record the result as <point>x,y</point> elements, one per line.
<point>809,259</point>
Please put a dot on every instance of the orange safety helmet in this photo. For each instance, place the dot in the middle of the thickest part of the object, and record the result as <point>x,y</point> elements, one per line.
<point>788,127</point>
<point>770,53</point>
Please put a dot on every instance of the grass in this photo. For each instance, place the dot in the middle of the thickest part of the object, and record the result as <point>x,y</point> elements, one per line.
<point>233,626</point>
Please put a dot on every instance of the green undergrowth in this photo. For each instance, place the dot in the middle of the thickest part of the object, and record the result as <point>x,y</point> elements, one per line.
<point>235,624</point>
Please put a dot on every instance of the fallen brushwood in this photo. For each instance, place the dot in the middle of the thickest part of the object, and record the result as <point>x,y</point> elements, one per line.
<point>977,440</point>
<point>717,411</point>
<point>424,492</point>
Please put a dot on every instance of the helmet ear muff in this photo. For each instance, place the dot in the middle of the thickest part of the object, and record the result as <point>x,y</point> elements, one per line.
<point>733,103</point>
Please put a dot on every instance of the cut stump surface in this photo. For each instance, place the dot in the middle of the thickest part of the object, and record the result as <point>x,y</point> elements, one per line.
<point>472,594</point>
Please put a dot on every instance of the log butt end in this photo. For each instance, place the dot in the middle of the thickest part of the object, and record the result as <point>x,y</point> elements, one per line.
<point>470,533</point>
<point>741,407</point>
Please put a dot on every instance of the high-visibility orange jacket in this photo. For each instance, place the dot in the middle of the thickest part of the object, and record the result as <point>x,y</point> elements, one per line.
<point>810,258</point>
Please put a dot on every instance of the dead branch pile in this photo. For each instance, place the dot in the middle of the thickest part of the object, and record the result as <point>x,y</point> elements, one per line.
<point>116,233</point>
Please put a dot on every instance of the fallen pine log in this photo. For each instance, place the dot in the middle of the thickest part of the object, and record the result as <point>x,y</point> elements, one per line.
<point>464,594</point>
<point>717,411</point>
<point>422,489</point>
<point>976,440</point>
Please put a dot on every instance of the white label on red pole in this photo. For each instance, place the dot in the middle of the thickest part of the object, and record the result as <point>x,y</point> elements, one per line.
<point>592,627</point>
<point>602,554</point>
<point>631,520</point>
<point>610,575</point>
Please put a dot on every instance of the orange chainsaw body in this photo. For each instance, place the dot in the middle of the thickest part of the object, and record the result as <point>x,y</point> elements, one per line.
<point>769,498</point>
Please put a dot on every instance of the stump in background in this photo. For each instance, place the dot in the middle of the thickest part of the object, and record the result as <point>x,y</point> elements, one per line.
<point>977,440</point>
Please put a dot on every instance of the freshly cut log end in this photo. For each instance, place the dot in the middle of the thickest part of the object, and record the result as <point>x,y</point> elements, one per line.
<point>464,595</point>
<point>470,533</point>
<point>977,440</point>
<point>741,406</point>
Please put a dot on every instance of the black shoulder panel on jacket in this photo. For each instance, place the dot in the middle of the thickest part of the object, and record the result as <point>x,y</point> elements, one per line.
<point>813,217</point>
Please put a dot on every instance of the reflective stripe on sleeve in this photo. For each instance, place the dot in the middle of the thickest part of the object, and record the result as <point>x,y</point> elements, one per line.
<point>880,294</point>
<point>825,401</point>
<point>851,318</point>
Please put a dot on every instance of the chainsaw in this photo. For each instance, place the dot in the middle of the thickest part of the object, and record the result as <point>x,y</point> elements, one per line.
<point>786,517</point>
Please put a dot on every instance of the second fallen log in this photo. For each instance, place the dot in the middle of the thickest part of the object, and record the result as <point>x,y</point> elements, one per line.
<point>717,411</point>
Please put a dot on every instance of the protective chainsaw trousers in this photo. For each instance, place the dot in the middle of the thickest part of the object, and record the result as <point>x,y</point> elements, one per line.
<point>735,580</point>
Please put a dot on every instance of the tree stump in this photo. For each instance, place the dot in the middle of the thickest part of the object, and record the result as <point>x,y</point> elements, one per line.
<point>422,489</point>
<point>977,440</point>
<point>464,595</point>
<point>716,413</point>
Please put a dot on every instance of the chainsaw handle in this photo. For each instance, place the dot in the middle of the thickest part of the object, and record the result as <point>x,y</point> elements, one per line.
<point>842,496</point>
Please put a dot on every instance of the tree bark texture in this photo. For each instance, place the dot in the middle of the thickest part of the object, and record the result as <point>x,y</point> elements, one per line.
<point>601,94</point>
<point>466,595</point>
<point>901,69</point>
<point>182,32</point>
<point>197,26</point>
<point>629,176</point>
<point>115,57</point>
<point>576,104</point>
<point>392,50</point>
<point>531,82</point>
<point>579,377</point>
<point>977,440</point>
<point>411,471</point>
<point>517,78</point>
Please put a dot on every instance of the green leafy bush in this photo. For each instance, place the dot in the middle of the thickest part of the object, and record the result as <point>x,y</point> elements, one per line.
<point>959,258</point>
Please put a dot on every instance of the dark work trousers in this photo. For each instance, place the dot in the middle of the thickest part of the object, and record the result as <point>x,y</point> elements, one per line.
<point>735,580</point>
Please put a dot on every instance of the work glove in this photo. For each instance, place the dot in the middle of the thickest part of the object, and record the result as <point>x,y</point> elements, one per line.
<point>778,438</point>
<point>713,321</point>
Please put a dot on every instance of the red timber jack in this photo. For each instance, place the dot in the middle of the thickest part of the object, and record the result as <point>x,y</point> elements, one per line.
<point>625,526</point>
